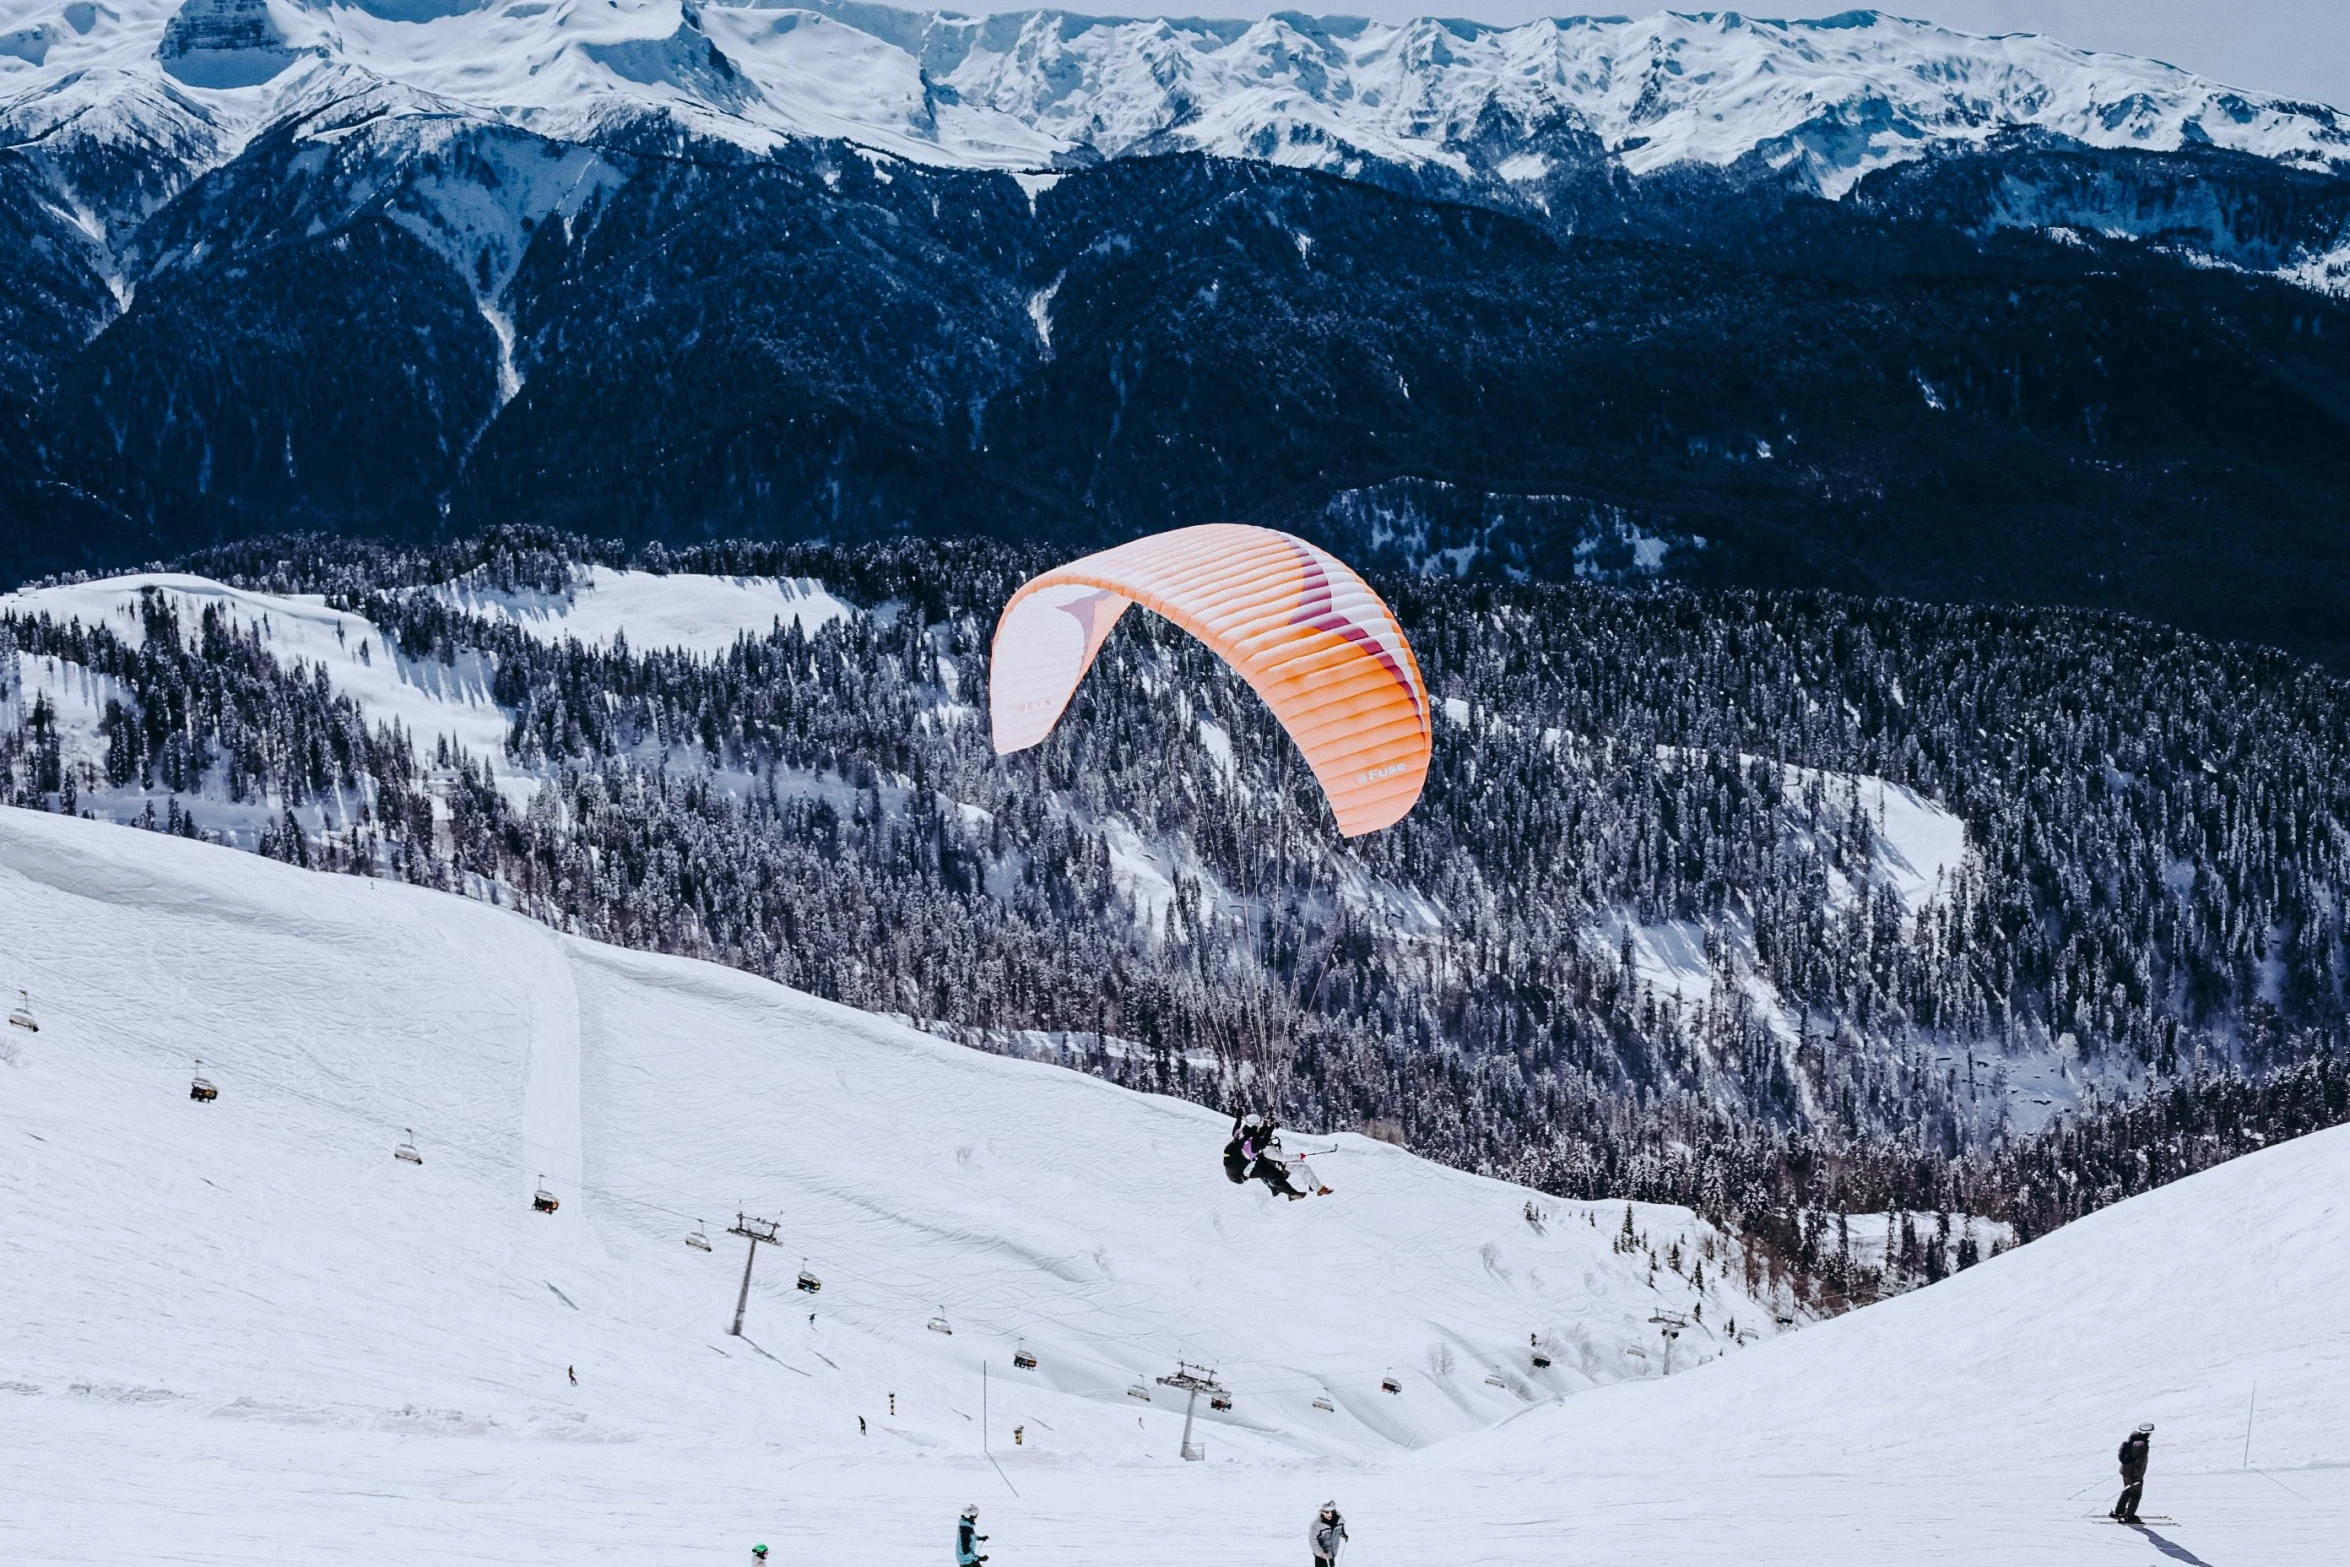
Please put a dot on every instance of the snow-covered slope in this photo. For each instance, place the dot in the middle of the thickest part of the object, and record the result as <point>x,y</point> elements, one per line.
<point>242,1331</point>
<point>1032,89</point>
<point>429,698</point>
<point>1976,1420</point>
<point>683,610</point>
<point>259,1276</point>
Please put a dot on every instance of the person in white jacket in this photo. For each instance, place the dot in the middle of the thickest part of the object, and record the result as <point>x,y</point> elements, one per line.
<point>1327,1534</point>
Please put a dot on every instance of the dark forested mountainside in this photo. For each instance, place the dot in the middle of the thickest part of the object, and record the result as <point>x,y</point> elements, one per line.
<point>1955,383</point>
<point>2147,924</point>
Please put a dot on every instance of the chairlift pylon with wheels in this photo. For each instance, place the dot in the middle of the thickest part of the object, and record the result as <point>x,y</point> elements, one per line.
<point>200,1087</point>
<point>542,1200</point>
<point>406,1152</point>
<point>21,1015</point>
<point>698,1240</point>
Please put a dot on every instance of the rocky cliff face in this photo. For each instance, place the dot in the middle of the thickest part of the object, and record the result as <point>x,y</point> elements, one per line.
<point>223,44</point>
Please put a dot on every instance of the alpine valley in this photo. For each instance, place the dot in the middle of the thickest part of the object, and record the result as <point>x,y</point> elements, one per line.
<point>1856,303</point>
<point>1813,552</point>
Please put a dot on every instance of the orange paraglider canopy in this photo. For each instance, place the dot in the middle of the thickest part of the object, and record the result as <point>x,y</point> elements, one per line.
<point>1309,635</point>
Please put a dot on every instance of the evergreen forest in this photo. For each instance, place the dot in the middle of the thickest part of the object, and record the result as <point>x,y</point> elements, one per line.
<point>2138,969</point>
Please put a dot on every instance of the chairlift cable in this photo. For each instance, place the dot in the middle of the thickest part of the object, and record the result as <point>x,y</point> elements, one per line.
<point>1291,1375</point>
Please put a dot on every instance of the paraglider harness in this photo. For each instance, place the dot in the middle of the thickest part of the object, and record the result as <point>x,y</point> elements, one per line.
<point>1255,1153</point>
<point>1236,1159</point>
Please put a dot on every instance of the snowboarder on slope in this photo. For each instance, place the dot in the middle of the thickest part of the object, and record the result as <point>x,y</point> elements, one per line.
<point>968,1539</point>
<point>1327,1534</point>
<point>2133,1462</point>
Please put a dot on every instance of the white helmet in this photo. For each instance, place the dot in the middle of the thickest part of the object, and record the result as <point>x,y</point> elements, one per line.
<point>971,1511</point>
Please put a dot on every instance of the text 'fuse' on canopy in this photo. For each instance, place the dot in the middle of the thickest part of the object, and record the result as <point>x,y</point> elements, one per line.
<point>1309,635</point>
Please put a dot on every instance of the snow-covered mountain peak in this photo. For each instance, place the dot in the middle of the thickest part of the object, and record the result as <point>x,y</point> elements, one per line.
<point>1828,100</point>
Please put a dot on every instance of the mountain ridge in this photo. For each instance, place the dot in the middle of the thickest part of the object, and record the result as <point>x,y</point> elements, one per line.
<point>1507,112</point>
<point>1964,356</point>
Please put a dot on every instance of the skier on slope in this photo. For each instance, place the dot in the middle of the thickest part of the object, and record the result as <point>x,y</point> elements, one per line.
<point>1327,1535</point>
<point>968,1539</point>
<point>2133,1462</point>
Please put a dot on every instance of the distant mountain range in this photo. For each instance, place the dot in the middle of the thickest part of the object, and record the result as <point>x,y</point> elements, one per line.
<point>1501,111</point>
<point>1858,302</point>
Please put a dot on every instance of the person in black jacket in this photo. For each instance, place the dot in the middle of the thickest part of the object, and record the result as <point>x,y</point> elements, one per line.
<point>2133,1461</point>
<point>1259,1142</point>
<point>1236,1155</point>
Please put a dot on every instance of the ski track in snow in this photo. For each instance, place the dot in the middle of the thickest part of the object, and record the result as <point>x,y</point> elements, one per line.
<point>551,1126</point>
<point>240,1332</point>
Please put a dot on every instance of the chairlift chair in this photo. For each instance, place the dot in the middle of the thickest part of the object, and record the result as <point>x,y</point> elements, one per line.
<point>1024,1360</point>
<point>21,1015</point>
<point>1220,1401</point>
<point>1390,1385</point>
<point>1495,1379</point>
<point>697,1240</point>
<point>200,1087</point>
<point>1139,1391</point>
<point>808,1283</point>
<point>406,1152</point>
<point>542,1200</point>
<point>1541,1361</point>
<point>939,1324</point>
<point>1325,1406</point>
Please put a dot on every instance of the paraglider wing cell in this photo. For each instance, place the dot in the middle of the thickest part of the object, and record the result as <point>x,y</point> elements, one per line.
<point>1293,620</point>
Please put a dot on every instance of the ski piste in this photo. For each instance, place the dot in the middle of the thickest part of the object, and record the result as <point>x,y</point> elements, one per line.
<point>222,1313</point>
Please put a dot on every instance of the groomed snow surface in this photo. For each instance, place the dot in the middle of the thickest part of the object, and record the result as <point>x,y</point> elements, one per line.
<point>241,1332</point>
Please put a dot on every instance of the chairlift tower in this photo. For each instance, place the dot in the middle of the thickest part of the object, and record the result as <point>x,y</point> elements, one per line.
<point>1670,1324</point>
<point>1194,1380</point>
<point>754,1231</point>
